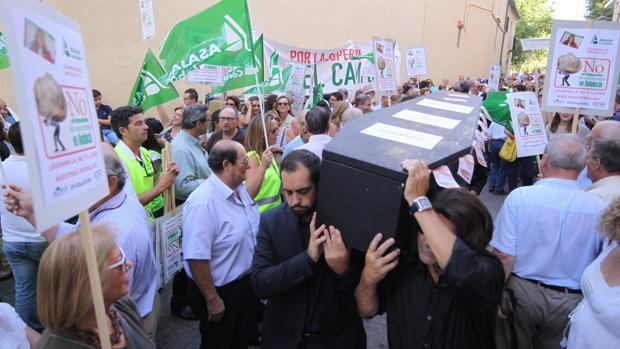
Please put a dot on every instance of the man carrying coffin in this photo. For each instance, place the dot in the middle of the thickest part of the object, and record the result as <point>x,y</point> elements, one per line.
<point>303,272</point>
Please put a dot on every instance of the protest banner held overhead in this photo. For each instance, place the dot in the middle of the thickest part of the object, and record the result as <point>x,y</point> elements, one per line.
<point>385,64</point>
<point>295,88</point>
<point>494,75</point>
<point>59,123</point>
<point>4,54</point>
<point>219,35</point>
<point>147,18</point>
<point>582,67</point>
<point>207,74</point>
<point>148,91</point>
<point>349,67</point>
<point>239,77</point>
<point>415,58</point>
<point>527,123</point>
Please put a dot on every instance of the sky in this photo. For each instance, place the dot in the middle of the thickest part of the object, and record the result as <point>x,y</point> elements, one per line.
<point>568,9</point>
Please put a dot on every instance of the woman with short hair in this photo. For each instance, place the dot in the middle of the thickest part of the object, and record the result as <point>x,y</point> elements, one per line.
<point>65,302</point>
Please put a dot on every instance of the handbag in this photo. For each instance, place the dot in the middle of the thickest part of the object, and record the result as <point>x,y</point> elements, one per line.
<point>509,150</point>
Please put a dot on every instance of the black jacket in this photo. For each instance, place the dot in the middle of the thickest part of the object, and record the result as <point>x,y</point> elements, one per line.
<point>302,296</point>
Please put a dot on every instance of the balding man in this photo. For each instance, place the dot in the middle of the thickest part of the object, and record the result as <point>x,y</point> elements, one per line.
<point>220,224</point>
<point>603,130</point>
<point>229,128</point>
<point>545,236</point>
<point>603,165</point>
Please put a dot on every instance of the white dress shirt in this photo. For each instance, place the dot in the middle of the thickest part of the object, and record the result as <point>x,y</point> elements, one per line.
<point>607,189</point>
<point>220,226</point>
<point>316,144</point>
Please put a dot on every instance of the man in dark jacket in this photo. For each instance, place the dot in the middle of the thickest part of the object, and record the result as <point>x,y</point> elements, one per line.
<point>304,273</point>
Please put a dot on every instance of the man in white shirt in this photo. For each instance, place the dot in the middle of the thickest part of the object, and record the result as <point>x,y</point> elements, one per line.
<point>219,234</point>
<point>317,122</point>
<point>545,235</point>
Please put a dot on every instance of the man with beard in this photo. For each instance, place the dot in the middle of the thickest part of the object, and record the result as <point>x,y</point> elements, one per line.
<point>304,272</point>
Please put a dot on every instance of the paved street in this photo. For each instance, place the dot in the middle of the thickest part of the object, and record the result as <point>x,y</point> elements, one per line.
<point>175,333</point>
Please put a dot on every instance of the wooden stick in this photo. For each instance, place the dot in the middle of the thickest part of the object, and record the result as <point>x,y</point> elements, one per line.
<point>389,98</point>
<point>575,120</point>
<point>95,280</point>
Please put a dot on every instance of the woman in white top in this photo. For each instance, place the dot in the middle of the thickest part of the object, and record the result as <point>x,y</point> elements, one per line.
<point>288,127</point>
<point>595,323</point>
<point>562,123</point>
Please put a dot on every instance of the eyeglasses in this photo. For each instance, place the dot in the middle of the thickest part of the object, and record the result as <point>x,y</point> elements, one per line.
<point>285,104</point>
<point>122,263</point>
<point>227,119</point>
<point>274,130</point>
<point>246,160</point>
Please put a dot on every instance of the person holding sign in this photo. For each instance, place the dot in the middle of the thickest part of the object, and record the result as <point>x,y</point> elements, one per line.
<point>128,123</point>
<point>562,124</point>
<point>64,298</point>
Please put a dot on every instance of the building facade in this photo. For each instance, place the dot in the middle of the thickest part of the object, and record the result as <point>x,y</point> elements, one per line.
<point>461,36</point>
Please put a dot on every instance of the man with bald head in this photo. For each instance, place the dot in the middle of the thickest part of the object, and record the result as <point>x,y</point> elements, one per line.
<point>603,130</point>
<point>229,128</point>
<point>220,223</point>
<point>545,235</point>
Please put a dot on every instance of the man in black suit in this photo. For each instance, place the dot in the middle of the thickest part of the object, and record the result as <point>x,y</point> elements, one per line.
<point>304,273</point>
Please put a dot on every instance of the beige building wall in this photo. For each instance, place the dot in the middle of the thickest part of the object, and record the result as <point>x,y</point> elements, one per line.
<point>115,50</point>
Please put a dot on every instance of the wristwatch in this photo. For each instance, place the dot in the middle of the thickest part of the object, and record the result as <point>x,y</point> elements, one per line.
<point>421,203</point>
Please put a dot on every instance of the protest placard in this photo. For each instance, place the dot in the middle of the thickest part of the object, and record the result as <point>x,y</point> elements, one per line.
<point>169,230</point>
<point>528,123</point>
<point>582,67</point>
<point>59,122</point>
<point>415,58</point>
<point>147,18</point>
<point>385,64</point>
<point>494,74</point>
<point>207,74</point>
<point>295,88</point>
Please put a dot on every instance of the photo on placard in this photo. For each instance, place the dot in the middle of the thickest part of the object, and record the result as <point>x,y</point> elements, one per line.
<point>568,64</point>
<point>520,103</point>
<point>571,40</point>
<point>524,123</point>
<point>380,60</point>
<point>39,41</point>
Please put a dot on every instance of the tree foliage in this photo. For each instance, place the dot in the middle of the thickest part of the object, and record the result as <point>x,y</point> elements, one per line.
<point>535,22</point>
<point>596,9</point>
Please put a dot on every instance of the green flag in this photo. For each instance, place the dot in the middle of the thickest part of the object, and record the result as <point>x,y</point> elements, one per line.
<point>276,84</point>
<point>149,91</point>
<point>498,108</point>
<point>4,53</point>
<point>239,77</point>
<point>220,35</point>
<point>369,56</point>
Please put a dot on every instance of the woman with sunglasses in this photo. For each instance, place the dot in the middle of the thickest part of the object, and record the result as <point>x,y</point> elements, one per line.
<point>64,299</point>
<point>263,174</point>
<point>288,128</point>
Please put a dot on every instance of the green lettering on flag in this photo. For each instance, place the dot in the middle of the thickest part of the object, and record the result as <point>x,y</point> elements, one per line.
<point>149,91</point>
<point>220,35</point>
<point>275,85</point>
<point>239,77</point>
<point>4,53</point>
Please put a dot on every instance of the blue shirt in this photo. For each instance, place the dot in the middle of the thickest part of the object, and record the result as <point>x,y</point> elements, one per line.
<point>220,226</point>
<point>550,229</point>
<point>126,217</point>
<point>292,145</point>
<point>104,112</point>
<point>192,159</point>
<point>584,181</point>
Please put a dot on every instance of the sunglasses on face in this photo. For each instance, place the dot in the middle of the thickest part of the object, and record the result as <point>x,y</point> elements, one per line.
<point>274,130</point>
<point>122,263</point>
<point>285,104</point>
<point>230,104</point>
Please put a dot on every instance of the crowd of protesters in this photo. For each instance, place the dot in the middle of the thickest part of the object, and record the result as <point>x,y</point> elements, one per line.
<point>257,268</point>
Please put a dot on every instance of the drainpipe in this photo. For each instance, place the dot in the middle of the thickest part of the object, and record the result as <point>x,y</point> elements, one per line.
<point>501,51</point>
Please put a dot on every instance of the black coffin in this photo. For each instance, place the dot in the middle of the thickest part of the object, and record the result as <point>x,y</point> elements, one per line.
<point>362,181</point>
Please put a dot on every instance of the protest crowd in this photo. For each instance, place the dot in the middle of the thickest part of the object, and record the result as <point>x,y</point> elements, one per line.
<point>240,174</point>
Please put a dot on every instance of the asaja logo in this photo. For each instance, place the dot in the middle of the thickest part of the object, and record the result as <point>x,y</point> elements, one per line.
<point>236,37</point>
<point>71,52</point>
<point>596,40</point>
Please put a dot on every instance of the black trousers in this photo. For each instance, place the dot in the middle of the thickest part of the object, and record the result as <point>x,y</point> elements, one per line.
<point>179,291</point>
<point>233,331</point>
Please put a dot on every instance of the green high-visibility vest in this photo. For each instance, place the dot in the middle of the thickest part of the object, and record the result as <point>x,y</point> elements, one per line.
<point>142,177</point>
<point>269,194</point>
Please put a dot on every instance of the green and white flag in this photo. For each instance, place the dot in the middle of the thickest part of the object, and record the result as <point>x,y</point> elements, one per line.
<point>275,85</point>
<point>370,56</point>
<point>4,53</point>
<point>149,91</point>
<point>238,77</point>
<point>220,35</point>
